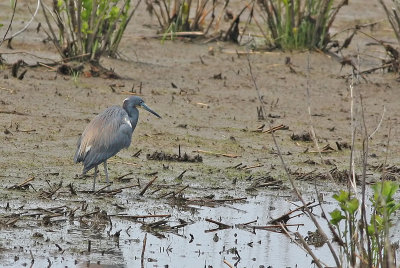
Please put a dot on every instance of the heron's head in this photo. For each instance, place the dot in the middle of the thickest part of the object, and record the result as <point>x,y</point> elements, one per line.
<point>137,102</point>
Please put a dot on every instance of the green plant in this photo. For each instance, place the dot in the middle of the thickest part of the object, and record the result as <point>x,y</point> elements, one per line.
<point>347,221</point>
<point>75,77</point>
<point>294,24</point>
<point>183,15</point>
<point>384,207</point>
<point>86,29</point>
<point>348,211</point>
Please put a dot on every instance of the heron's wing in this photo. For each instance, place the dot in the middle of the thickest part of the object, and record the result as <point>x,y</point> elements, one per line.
<point>77,157</point>
<point>105,136</point>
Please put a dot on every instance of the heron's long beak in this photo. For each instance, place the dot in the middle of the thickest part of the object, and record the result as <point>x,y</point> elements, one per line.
<point>144,106</point>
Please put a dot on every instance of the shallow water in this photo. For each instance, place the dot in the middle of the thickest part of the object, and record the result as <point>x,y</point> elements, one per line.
<point>64,241</point>
<point>190,246</point>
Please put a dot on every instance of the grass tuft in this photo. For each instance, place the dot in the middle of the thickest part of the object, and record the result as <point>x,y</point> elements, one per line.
<point>86,29</point>
<point>296,24</point>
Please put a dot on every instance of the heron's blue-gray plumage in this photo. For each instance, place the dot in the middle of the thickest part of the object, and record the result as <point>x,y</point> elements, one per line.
<point>108,133</point>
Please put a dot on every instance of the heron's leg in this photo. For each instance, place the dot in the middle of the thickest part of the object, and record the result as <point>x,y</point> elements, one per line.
<point>94,178</point>
<point>106,172</point>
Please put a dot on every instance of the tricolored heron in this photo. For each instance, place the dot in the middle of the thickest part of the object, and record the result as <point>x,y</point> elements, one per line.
<point>107,134</point>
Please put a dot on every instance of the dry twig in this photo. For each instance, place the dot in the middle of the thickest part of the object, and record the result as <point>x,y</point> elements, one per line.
<point>147,186</point>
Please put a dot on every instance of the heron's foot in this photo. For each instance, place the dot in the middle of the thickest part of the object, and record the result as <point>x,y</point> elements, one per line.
<point>82,176</point>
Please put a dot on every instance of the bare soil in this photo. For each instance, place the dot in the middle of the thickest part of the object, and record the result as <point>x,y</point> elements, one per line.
<point>208,102</point>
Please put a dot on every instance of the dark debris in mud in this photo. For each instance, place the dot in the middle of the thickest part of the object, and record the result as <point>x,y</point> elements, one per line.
<point>265,181</point>
<point>69,69</point>
<point>96,219</point>
<point>157,227</point>
<point>391,169</point>
<point>340,176</point>
<point>269,130</point>
<point>162,156</point>
<point>15,69</point>
<point>287,216</point>
<point>342,145</point>
<point>315,239</point>
<point>208,201</point>
<point>343,176</point>
<point>25,185</point>
<point>88,69</point>
<point>391,173</point>
<point>305,136</point>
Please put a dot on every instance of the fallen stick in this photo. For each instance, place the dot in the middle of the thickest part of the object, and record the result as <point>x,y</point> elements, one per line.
<point>259,129</point>
<point>247,223</point>
<point>16,186</point>
<point>230,199</point>
<point>50,210</point>
<point>274,226</point>
<point>46,194</point>
<point>141,216</point>
<point>369,70</point>
<point>273,129</point>
<point>326,149</point>
<point>285,217</point>
<point>255,166</point>
<point>238,166</point>
<point>180,34</point>
<point>218,154</point>
<point>203,104</point>
<point>12,112</point>
<point>123,176</point>
<point>12,91</point>
<point>181,175</point>
<point>267,184</point>
<point>115,191</point>
<point>101,189</point>
<point>148,185</point>
<point>143,250</point>
<point>27,130</point>
<point>11,221</point>
<point>227,263</point>
<point>229,51</point>
<point>217,200</point>
<point>173,192</point>
<point>181,190</point>
<point>220,224</point>
<point>165,195</point>
<point>183,223</point>
<point>47,66</point>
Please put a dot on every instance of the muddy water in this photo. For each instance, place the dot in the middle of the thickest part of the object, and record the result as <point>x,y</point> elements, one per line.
<point>116,241</point>
<point>64,243</point>
<point>192,245</point>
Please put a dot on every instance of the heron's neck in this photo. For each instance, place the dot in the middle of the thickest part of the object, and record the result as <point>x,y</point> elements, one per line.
<point>133,114</point>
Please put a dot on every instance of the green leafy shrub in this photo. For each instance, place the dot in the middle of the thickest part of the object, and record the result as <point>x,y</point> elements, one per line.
<point>86,29</point>
<point>186,15</point>
<point>371,242</point>
<point>294,24</point>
